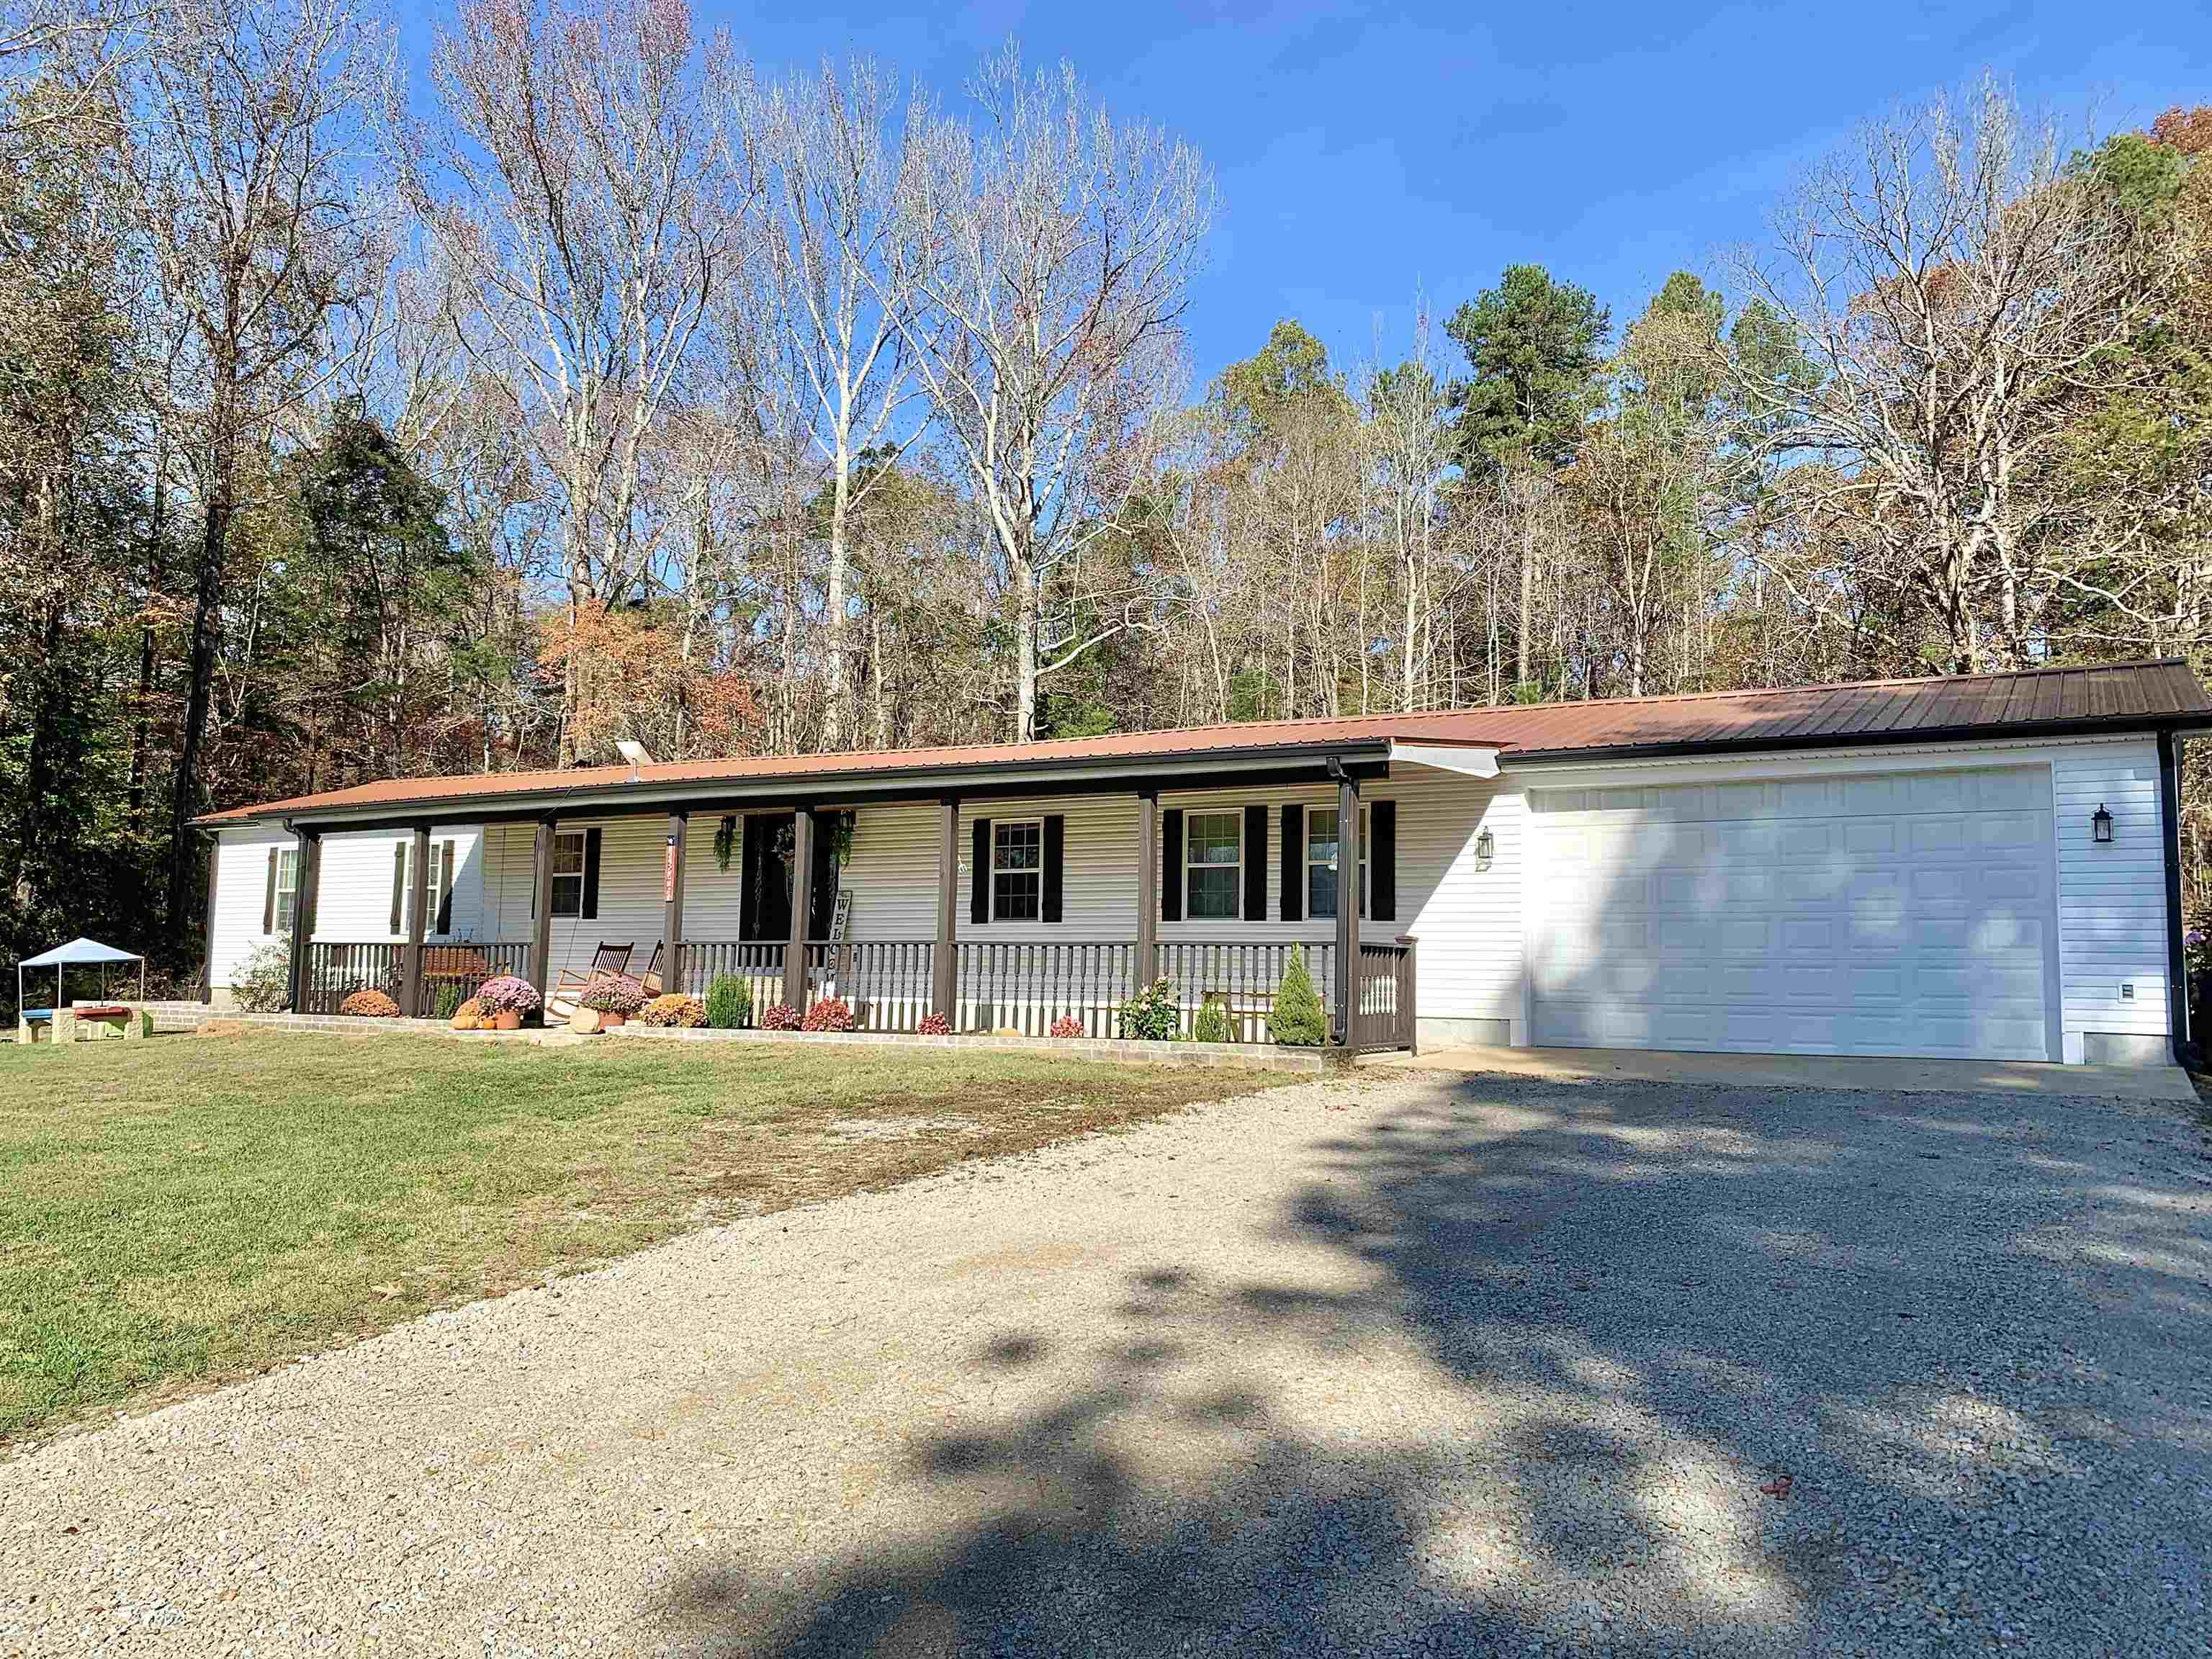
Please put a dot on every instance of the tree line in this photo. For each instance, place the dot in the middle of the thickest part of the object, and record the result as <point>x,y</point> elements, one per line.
<point>602,386</point>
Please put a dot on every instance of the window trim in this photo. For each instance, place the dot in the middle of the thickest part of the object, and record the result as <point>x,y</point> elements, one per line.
<point>1190,818</point>
<point>581,837</point>
<point>288,890</point>
<point>1313,864</point>
<point>1036,870</point>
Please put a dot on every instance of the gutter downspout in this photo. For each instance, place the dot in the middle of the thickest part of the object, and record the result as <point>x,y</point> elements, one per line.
<point>2177,961</point>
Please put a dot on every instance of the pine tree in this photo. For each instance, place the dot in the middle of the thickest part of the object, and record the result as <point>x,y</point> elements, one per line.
<point>1297,1021</point>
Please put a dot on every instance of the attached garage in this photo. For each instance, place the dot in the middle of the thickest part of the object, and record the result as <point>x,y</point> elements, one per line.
<point>1897,912</point>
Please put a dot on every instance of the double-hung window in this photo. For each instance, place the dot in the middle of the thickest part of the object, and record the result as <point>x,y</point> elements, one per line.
<point>442,880</point>
<point>1213,844</point>
<point>288,887</point>
<point>1018,870</point>
<point>1322,845</point>
<point>568,873</point>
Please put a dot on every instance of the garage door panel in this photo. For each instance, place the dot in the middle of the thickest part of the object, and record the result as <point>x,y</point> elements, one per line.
<point>2021,790</point>
<point>1936,792</point>
<point>1899,913</point>
<point>2008,831</point>
<point>1814,935</point>
<point>1742,935</point>
<point>2026,886</point>
<point>1809,838</point>
<point>1870,836</point>
<point>1751,838</point>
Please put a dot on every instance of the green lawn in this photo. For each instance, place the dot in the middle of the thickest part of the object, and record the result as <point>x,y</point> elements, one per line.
<point>195,1208</point>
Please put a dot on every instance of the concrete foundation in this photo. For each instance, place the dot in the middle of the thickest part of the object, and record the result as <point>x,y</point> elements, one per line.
<point>1465,1033</point>
<point>2126,1048</point>
<point>2165,1082</point>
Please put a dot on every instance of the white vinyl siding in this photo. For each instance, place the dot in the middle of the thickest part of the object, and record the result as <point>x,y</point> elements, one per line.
<point>242,893</point>
<point>2112,898</point>
<point>353,901</point>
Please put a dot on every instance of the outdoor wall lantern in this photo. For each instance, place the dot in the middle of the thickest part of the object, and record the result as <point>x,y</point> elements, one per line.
<point>2100,825</point>
<point>1486,847</point>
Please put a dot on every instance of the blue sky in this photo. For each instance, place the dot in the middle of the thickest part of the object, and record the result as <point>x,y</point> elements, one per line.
<point>1365,154</point>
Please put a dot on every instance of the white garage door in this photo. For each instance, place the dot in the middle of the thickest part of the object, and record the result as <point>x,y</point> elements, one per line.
<point>1903,914</point>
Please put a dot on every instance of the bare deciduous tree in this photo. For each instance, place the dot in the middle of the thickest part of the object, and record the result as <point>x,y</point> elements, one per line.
<point>1960,286</point>
<point>583,182</point>
<point>1061,243</point>
<point>843,158</point>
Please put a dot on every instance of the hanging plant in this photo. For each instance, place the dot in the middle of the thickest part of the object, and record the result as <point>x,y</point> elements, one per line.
<point>725,839</point>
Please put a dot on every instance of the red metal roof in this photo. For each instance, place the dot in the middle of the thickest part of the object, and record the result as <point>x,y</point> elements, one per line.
<point>2111,697</point>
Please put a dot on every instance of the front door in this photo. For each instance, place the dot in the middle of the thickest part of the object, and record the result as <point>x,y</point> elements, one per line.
<point>764,869</point>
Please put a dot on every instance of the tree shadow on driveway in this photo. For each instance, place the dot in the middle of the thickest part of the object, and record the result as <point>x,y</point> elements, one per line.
<point>1537,1365</point>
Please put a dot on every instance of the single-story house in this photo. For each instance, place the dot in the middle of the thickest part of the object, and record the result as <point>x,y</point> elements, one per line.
<point>1980,867</point>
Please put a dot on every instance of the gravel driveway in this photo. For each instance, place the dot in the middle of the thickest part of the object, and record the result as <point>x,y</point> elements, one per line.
<point>1401,1364</point>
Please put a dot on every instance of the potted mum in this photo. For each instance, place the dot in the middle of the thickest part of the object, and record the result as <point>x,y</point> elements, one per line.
<point>613,997</point>
<point>507,999</point>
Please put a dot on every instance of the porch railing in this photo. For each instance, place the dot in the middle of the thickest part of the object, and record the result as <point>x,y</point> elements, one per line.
<point>997,986</point>
<point>1382,1011</point>
<point>1030,986</point>
<point>699,963</point>
<point>336,970</point>
<point>886,982</point>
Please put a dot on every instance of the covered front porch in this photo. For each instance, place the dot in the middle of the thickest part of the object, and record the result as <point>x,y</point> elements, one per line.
<point>998,913</point>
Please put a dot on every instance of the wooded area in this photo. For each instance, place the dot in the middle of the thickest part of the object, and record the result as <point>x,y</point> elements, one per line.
<point>606,388</point>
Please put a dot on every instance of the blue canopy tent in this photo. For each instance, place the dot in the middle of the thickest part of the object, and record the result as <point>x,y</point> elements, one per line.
<point>62,956</point>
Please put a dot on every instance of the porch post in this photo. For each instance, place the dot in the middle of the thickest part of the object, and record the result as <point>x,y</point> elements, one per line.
<point>672,904</point>
<point>1348,902</point>
<point>943,981</point>
<point>418,899</point>
<point>802,902</point>
<point>1409,980</point>
<point>305,877</point>
<point>541,912</point>
<point>207,960</point>
<point>1148,888</point>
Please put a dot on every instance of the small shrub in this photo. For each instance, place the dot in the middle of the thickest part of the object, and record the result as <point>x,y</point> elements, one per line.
<point>1151,1015</point>
<point>464,1017</point>
<point>674,1009</point>
<point>507,994</point>
<point>830,1014</point>
<point>612,993</point>
<point>1212,1024</point>
<point>1297,1021</point>
<point>449,1001</point>
<point>1067,1025</point>
<point>264,985</point>
<point>370,1004</point>
<point>934,1025</point>
<point>779,1017</point>
<point>729,1002</point>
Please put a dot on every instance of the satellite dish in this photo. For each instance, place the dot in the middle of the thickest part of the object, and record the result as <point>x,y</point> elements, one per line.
<point>634,752</point>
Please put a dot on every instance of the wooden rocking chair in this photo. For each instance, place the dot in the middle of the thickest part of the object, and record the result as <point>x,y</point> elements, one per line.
<point>607,959</point>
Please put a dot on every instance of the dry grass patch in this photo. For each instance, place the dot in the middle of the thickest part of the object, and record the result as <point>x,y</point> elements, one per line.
<point>194,1209</point>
